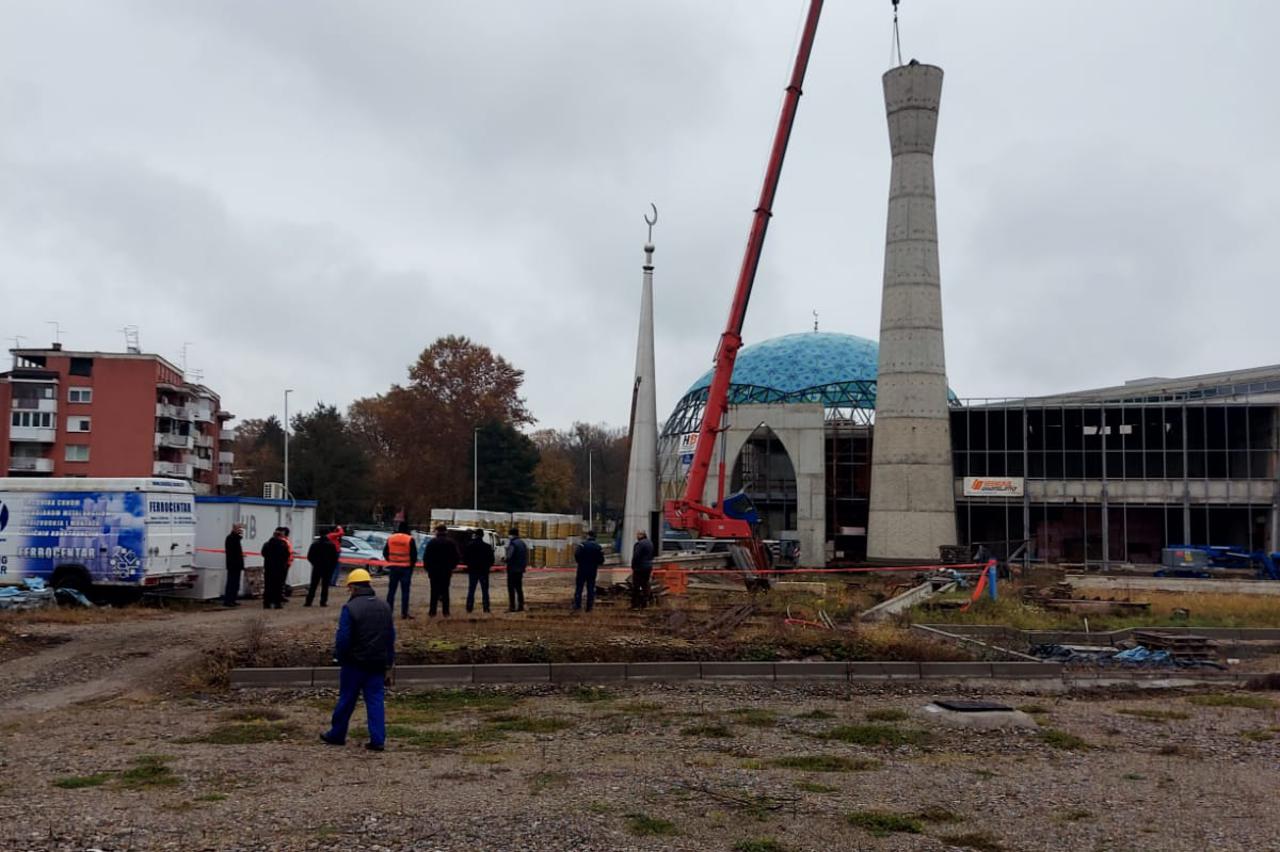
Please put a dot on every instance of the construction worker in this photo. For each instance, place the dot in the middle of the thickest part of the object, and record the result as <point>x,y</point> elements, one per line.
<point>233,550</point>
<point>365,648</point>
<point>276,557</point>
<point>478,556</point>
<point>401,551</point>
<point>324,561</point>
<point>440,557</point>
<point>589,556</point>
<point>641,570</point>
<point>517,560</point>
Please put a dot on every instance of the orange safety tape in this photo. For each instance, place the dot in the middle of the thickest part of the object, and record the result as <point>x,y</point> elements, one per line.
<point>669,568</point>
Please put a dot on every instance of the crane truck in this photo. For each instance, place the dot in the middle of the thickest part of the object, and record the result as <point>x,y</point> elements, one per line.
<point>734,518</point>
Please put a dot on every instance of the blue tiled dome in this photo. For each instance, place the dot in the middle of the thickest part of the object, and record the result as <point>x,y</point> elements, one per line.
<point>837,370</point>
<point>794,364</point>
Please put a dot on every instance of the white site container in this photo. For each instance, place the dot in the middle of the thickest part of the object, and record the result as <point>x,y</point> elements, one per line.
<point>215,516</point>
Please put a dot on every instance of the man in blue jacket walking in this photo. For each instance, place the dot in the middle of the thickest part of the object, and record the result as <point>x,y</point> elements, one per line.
<point>365,647</point>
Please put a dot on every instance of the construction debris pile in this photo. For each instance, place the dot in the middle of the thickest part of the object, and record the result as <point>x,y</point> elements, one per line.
<point>1148,649</point>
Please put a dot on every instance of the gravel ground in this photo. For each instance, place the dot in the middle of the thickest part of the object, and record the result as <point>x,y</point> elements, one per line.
<point>103,746</point>
<point>1204,779</point>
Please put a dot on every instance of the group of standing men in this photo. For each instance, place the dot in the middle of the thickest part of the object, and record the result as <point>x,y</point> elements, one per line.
<point>440,556</point>
<point>277,556</point>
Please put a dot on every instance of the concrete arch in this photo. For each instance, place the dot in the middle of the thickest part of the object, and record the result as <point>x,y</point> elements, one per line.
<point>801,429</point>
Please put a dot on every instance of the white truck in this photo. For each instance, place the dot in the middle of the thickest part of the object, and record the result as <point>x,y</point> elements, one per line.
<point>79,532</point>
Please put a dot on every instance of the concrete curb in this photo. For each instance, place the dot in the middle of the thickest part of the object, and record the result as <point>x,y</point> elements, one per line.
<point>793,672</point>
<point>675,670</point>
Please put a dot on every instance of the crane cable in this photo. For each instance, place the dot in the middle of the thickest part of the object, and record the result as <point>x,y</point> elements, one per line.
<point>897,38</point>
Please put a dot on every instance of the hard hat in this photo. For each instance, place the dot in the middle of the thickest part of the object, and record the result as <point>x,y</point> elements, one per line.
<point>358,575</point>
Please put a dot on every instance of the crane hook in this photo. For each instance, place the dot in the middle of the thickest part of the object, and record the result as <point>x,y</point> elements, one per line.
<point>653,221</point>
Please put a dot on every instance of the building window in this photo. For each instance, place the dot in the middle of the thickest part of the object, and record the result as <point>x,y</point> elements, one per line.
<point>77,452</point>
<point>80,395</point>
<point>77,424</point>
<point>81,367</point>
<point>32,419</point>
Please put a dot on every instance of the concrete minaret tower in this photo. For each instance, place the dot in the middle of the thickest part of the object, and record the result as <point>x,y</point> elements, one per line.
<point>642,467</point>
<point>912,484</point>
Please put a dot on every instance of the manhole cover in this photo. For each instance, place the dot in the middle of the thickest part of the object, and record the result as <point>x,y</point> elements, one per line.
<point>973,706</point>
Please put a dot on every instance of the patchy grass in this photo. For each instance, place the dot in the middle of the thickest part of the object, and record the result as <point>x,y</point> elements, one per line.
<point>1055,738</point>
<point>1153,714</point>
<point>548,780</point>
<point>529,724</point>
<point>884,823</point>
<point>590,694</point>
<point>825,763</point>
<point>876,735</point>
<point>1178,750</point>
<point>148,770</point>
<point>252,714</point>
<point>80,782</point>
<point>643,825</point>
<point>887,714</point>
<point>980,841</point>
<point>761,844</point>
<point>433,706</point>
<point>813,787</point>
<point>938,814</point>
<point>420,738</point>
<point>247,733</point>
<point>1208,609</point>
<point>755,718</point>
<point>212,797</point>
<point>1134,776</point>
<point>715,730</point>
<point>816,714</point>
<point>1034,709</point>
<point>1233,699</point>
<point>1075,815</point>
<point>1260,736</point>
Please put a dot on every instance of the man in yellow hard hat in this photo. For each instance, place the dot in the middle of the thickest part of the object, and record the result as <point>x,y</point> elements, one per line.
<point>365,648</point>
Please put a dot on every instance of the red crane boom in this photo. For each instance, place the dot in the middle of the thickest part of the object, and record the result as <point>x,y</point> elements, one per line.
<point>689,512</point>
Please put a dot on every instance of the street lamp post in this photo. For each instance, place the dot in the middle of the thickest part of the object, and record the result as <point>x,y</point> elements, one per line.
<point>591,493</point>
<point>475,469</point>
<point>286,439</point>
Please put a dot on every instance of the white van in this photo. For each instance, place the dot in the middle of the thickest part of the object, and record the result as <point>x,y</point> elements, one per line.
<point>79,533</point>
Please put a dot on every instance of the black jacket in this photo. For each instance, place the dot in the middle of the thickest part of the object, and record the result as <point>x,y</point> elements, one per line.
<point>440,555</point>
<point>517,555</point>
<point>589,555</point>
<point>235,552</point>
<point>366,637</point>
<point>275,555</point>
<point>478,555</point>
<point>642,555</point>
<point>322,556</point>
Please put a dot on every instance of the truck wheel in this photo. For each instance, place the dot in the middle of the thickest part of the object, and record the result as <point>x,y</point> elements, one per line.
<point>72,577</point>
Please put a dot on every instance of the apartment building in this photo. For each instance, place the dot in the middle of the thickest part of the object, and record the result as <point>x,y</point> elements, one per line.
<point>105,414</point>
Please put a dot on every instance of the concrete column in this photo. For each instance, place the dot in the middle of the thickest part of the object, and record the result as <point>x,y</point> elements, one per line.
<point>642,467</point>
<point>912,493</point>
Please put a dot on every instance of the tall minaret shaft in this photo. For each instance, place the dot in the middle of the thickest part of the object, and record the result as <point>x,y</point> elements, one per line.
<point>912,508</point>
<point>642,467</point>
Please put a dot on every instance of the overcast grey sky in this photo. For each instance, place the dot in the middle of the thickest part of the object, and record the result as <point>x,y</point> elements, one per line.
<point>311,191</point>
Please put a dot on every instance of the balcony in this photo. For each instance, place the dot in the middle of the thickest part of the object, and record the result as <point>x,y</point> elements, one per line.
<point>28,403</point>
<point>181,471</point>
<point>201,464</point>
<point>32,433</point>
<point>226,458</point>
<point>173,412</point>
<point>173,441</point>
<point>227,435</point>
<point>23,464</point>
<point>226,479</point>
<point>202,414</point>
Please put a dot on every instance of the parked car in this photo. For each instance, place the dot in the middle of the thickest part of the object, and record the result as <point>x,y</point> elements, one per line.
<point>357,553</point>
<point>376,538</point>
